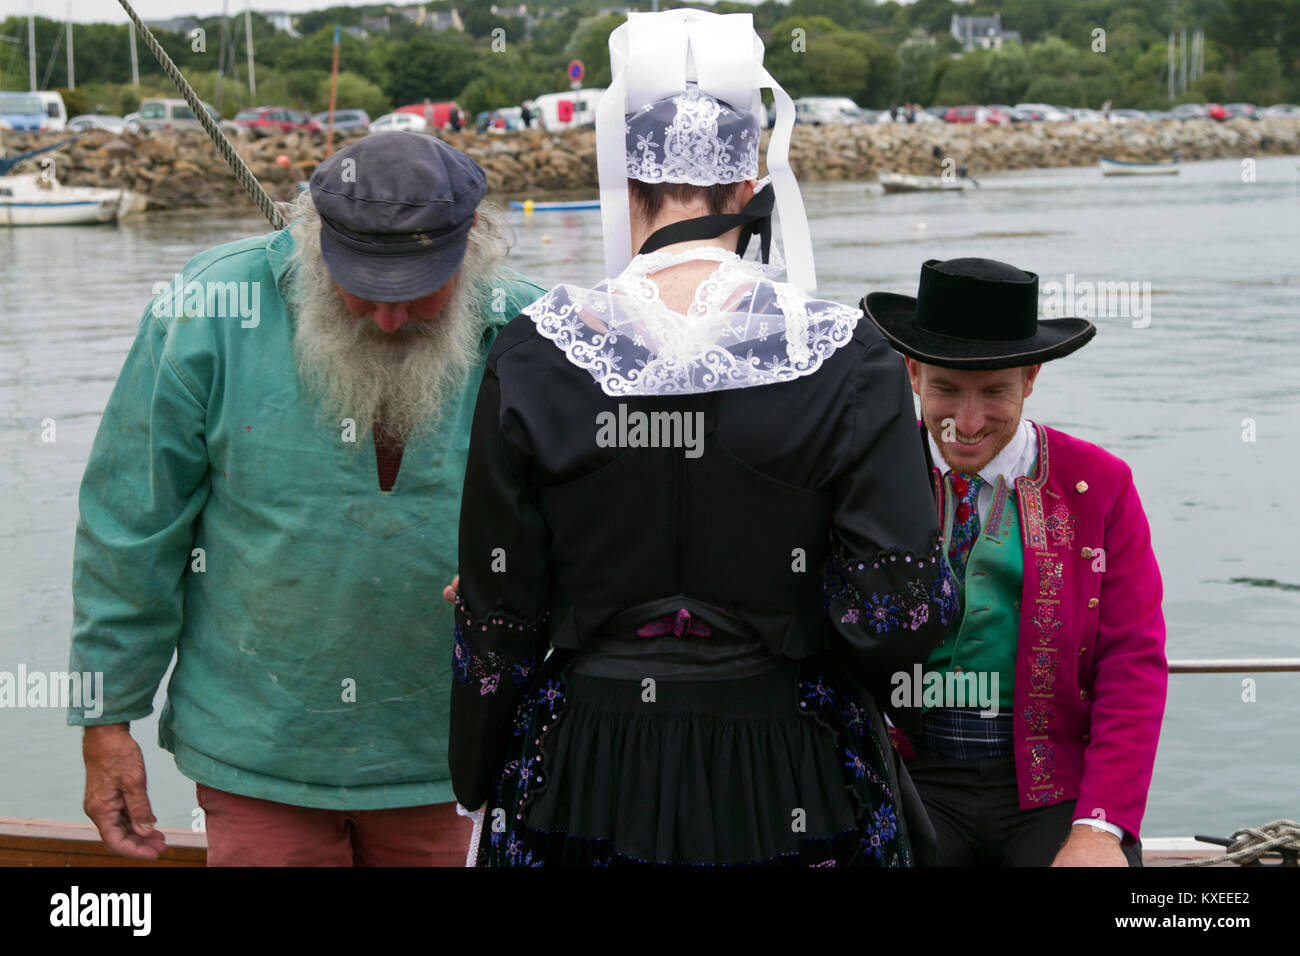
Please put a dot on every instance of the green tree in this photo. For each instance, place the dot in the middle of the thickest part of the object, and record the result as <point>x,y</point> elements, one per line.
<point>354,93</point>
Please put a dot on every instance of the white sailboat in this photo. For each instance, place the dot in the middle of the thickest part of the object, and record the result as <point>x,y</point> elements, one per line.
<point>40,200</point>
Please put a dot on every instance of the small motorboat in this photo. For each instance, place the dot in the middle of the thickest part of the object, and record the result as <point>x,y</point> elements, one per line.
<point>1118,167</point>
<point>529,206</point>
<point>906,183</point>
<point>41,200</point>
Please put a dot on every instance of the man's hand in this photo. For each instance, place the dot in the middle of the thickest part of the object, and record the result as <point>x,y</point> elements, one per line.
<point>449,592</point>
<point>1090,846</point>
<point>116,798</point>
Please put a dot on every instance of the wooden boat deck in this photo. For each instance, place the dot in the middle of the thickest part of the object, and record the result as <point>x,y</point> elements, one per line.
<point>58,843</point>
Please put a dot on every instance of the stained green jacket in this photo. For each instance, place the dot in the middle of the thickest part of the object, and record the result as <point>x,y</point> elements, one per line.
<point>221,521</point>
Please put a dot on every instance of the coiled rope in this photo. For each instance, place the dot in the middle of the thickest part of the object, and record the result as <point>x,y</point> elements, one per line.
<point>224,146</point>
<point>1251,843</point>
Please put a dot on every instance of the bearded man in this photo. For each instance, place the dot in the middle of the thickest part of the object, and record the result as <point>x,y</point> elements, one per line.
<point>274,497</point>
<point>1042,753</point>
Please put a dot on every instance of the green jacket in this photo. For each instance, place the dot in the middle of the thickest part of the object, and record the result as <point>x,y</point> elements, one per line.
<point>220,521</point>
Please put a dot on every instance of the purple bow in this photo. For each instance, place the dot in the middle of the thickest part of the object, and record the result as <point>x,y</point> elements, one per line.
<point>679,624</point>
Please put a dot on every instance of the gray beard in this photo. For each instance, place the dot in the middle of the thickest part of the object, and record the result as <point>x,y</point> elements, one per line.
<point>351,369</point>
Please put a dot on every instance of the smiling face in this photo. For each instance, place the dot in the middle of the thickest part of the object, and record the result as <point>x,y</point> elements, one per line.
<point>978,412</point>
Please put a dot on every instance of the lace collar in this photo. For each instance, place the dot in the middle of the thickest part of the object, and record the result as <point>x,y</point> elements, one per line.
<point>744,327</point>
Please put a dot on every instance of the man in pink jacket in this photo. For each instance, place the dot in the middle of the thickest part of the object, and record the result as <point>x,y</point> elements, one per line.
<point>1042,704</point>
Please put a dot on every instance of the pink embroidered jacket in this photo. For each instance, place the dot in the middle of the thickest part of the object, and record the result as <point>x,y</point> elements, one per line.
<point>1091,672</point>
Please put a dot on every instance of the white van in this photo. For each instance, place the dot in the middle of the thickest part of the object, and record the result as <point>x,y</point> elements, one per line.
<point>56,114</point>
<point>581,110</point>
<point>827,110</point>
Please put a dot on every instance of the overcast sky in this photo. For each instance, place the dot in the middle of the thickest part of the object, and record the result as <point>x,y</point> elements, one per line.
<point>88,11</point>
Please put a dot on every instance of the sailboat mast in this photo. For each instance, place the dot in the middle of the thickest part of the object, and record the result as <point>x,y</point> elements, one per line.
<point>31,43</point>
<point>72,76</point>
<point>248,35</point>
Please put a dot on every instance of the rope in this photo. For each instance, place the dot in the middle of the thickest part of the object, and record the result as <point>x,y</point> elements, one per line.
<point>1251,843</point>
<point>224,146</point>
<point>471,858</point>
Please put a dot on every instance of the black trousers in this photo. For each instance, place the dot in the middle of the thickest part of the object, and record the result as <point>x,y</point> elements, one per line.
<point>975,808</point>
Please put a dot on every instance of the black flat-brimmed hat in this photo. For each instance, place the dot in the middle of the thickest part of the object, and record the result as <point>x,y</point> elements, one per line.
<point>974,314</point>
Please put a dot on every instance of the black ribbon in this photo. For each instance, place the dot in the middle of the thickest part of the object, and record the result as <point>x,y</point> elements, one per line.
<point>755,218</point>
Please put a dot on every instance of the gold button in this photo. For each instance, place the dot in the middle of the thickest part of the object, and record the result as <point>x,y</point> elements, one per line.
<point>1082,650</point>
<point>1093,602</point>
<point>1083,695</point>
<point>1081,487</point>
<point>1086,553</point>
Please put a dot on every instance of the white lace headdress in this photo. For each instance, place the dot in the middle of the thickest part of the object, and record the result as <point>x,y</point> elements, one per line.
<point>654,56</point>
<point>691,138</point>
<point>745,326</point>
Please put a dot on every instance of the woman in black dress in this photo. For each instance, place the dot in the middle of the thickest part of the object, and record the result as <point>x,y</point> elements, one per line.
<point>705,494</point>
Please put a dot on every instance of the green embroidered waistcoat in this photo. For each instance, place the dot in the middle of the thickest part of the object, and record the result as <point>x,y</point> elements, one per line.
<point>985,637</point>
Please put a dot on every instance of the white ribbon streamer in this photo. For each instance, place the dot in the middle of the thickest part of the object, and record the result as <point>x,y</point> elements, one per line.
<point>652,56</point>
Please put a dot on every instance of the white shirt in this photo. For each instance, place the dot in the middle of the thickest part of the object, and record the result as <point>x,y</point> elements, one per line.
<point>1012,462</point>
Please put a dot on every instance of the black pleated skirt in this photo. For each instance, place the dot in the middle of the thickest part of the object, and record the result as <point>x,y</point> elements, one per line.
<point>782,768</point>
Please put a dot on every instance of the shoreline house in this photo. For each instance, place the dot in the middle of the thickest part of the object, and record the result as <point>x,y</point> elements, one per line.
<point>983,33</point>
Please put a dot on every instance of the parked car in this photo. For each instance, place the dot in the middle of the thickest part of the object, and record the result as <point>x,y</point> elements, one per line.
<point>347,120</point>
<point>826,110</point>
<point>1248,110</point>
<point>22,113</point>
<point>56,114</point>
<point>976,114</point>
<point>88,121</point>
<point>1010,112</point>
<point>161,113</point>
<point>1128,116</point>
<point>1045,112</point>
<point>567,110</point>
<point>1082,115</point>
<point>399,122</point>
<point>1187,111</point>
<point>265,120</point>
<point>1282,109</point>
<point>1216,111</point>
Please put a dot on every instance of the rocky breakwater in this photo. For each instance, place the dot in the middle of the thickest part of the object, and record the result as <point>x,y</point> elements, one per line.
<point>175,170</point>
<point>862,151</point>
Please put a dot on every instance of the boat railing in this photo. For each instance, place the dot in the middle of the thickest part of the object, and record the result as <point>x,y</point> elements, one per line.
<point>1247,665</point>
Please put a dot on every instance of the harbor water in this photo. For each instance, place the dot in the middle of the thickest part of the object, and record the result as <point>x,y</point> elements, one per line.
<point>1193,379</point>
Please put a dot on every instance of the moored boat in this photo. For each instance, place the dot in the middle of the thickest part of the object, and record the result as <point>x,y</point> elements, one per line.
<point>528,205</point>
<point>36,200</point>
<point>1118,167</point>
<point>907,183</point>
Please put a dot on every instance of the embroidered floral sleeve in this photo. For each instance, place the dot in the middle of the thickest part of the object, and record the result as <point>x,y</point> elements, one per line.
<point>486,671</point>
<point>502,628</point>
<point>889,595</point>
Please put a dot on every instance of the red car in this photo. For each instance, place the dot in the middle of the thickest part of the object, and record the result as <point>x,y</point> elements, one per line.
<point>264,120</point>
<point>1216,111</point>
<point>976,114</point>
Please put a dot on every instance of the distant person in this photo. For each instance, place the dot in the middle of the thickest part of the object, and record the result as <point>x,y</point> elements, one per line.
<point>1061,594</point>
<point>526,115</point>
<point>911,112</point>
<point>1105,108</point>
<point>456,122</point>
<point>275,500</point>
<point>893,112</point>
